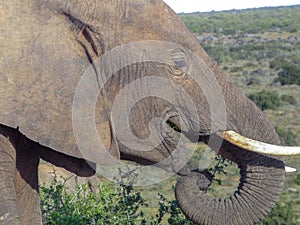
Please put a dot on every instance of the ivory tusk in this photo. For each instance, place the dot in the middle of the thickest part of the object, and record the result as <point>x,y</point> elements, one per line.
<point>257,146</point>
<point>290,169</point>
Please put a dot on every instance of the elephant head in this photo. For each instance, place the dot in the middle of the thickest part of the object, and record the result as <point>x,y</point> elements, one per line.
<point>108,80</point>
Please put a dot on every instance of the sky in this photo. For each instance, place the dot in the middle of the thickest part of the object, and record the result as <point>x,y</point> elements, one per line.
<point>219,5</point>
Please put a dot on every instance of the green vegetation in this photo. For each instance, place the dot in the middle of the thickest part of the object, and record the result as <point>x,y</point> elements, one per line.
<point>253,21</point>
<point>288,99</point>
<point>266,99</point>
<point>171,208</point>
<point>258,47</point>
<point>297,181</point>
<point>121,204</point>
<point>283,213</point>
<point>255,49</point>
<point>289,70</point>
<point>260,50</point>
<point>289,74</point>
<point>111,204</point>
<point>271,99</point>
<point>287,137</point>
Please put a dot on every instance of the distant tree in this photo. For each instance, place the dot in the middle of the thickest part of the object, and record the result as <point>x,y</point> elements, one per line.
<point>282,214</point>
<point>287,137</point>
<point>266,99</point>
<point>278,62</point>
<point>289,99</point>
<point>290,74</point>
<point>253,81</point>
<point>297,181</point>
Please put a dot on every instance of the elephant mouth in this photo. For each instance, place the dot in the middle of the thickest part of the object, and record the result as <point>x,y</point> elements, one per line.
<point>240,142</point>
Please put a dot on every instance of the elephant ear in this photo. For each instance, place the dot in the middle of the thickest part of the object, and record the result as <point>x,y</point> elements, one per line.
<point>92,126</point>
<point>108,137</point>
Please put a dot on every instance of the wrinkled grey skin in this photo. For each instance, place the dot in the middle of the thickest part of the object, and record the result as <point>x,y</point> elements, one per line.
<point>45,48</point>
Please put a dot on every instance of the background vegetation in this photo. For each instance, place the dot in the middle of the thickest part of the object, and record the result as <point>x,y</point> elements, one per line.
<point>109,204</point>
<point>260,50</point>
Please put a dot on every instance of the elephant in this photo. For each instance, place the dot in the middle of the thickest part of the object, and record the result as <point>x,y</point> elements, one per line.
<point>48,48</point>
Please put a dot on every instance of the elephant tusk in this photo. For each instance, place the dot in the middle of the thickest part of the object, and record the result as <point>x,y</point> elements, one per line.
<point>290,169</point>
<point>257,146</point>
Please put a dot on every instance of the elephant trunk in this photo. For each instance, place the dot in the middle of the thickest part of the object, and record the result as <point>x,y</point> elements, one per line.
<point>261,182</point>
<point>261,177</point>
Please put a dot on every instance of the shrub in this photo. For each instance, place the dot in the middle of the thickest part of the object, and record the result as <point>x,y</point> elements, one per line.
<point>290,74</point>
<point>253,81</point>
<point>219,53</point>
<point>297,181</point>
<point>286,137</point>
<point>122,205</point>
<point>266,99</point>
<point>278,62</point>
<point>111,205</point>
<point>171,208</point>
<point>236,69</point>
<point>244,21</point>
<point>289,99</point>
<point>282,213</point>
<point>293,30</point>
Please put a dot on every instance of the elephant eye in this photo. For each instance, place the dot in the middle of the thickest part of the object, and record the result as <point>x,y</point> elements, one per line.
<point>176,71</point>
<point>178,61</point>
<point>181,63</point>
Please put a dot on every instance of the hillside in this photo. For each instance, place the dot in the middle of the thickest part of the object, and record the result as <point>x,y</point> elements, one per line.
<point>254,47</point>
<point>260,50</point>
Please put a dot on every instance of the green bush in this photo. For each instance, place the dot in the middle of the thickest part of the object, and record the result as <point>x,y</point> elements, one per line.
<point>297,181</point>
<point>289,99</point>
<point>255,21</point>
<point>171,208</point>
<point>219,53</point>
<point>278,62</point>
<point>253,81</point>
<point>283,213</point>
<point>236,69</point>
<point>290,74</point>
<point>120,204</point>
<point>111,205</point>
<point>266,99</point>
<point>287,138</point>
